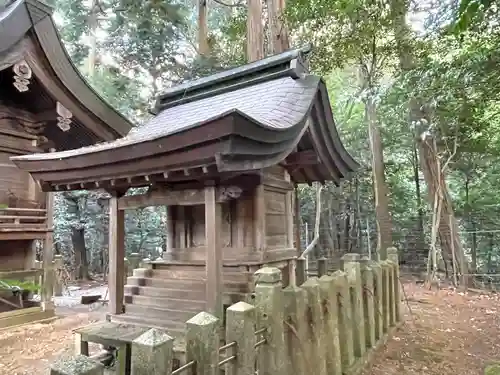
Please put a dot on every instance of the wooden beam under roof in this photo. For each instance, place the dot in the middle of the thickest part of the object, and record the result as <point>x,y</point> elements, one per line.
<point>164,197</point>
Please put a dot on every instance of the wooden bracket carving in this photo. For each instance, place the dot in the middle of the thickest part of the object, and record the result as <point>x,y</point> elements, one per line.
<point>63,118</point>
<point>22,75</point>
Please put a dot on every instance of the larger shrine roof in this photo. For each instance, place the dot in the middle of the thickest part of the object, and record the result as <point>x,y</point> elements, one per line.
<point>243,119</point>
<point>28,33</point>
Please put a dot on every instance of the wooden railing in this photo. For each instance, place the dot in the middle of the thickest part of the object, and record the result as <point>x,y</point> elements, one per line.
<point>23,217</point>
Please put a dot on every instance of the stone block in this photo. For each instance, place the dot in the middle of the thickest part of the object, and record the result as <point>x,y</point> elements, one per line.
<point>152,353</point>
<point>78,365</point>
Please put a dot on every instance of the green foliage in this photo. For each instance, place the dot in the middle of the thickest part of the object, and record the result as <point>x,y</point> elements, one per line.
<point>24,285</point>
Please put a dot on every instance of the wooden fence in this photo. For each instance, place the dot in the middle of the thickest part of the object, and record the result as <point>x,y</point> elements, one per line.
<point>326,326</point>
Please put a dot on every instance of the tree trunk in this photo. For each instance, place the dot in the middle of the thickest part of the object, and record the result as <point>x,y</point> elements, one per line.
<point>436,181</point>
<point>202,28</point>
<point>426,146</point>
<point>384,224</point>
<point>255,31</point>
<point>93,22</point>
<point>421,249</point>
<point>81,259</point>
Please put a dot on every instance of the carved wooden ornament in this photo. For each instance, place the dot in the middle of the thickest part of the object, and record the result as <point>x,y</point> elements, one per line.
<point>22,75</point>
<point>63,118</point>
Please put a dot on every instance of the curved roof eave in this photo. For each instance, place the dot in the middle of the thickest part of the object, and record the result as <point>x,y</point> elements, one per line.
<point>17,20</point>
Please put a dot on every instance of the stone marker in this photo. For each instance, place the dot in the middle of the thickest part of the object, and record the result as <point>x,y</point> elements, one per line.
<point>270,315</point>
<point>152,353</point>
<point>240,323</point>
<point>316,326</point>
<point>202,343</point>
<point>353,272</point>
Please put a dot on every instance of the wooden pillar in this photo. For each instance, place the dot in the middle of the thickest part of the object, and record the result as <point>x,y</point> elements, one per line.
<point>48,256</point>
<point>297,220</point>
<point>170,233</point>
<point>289,213</point>
<point>259,220</point>
<point>180,226</point>
<point>213,265</point>
<point>116,248</point>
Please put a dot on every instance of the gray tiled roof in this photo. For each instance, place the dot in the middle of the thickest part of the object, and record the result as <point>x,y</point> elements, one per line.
<point>278,105</point>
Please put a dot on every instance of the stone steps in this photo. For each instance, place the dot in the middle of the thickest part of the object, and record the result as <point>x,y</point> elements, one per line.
<point>156,313</point>
<point>173,328</point>
<point>179,284</point>
<point>197,295</point>
<point>165,303</point>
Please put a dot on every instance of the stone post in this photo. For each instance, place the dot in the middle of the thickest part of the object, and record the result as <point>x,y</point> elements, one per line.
<point>378,305</point>
<point>152,353</point>
<point>316,326</point>
<point>368,302</point>
<point>202,343</point>
<point>392,254</point>
<point>322,266</point>
<point>386,310</point>
<point>39,279</point>
<point>79,365</point>
<point>58,266</point>
<point>240,323</point>
<point>345,322</point>
<point>296,338</point>
<point>269,303</point>
<point>127,270</point>
<point>134,261</point>
<point>328,294</point>
<point>300,271</point>
<point>353,272</point>
<point>145,263</point>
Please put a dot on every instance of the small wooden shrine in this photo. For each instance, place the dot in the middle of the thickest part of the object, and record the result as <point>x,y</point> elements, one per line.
<point>223,154</point>
<point>44,105</point>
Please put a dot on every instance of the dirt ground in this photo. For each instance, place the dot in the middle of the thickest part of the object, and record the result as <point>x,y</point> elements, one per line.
<point>445,332</point>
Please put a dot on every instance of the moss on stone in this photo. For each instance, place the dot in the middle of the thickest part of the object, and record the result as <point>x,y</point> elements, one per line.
<point>492,369</point>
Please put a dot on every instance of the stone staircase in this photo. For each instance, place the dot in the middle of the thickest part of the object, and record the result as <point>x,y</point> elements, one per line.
<point>170,293</point>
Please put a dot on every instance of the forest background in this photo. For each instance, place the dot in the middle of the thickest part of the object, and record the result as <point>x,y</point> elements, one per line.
<point>414,87</point>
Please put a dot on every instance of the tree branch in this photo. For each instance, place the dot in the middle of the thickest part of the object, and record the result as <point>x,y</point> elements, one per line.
<point>311,246</point>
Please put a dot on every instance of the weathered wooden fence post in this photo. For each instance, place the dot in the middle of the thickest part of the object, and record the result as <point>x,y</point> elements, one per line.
<point>368,302</point>
<point>316,326</point>
<point>269,304</point>
<point>345,322</point>
<point>240,328</point>
<point>297,344</point>
<point>152,353</point>
<point>353,272</point>
<point>79,365</point>
<point>202,343</point>
<point>392,255</point>
<point>300,271</point>
<point>329,301</point>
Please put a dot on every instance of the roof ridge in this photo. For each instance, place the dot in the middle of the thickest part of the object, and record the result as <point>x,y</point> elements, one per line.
<point>290,63</point>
